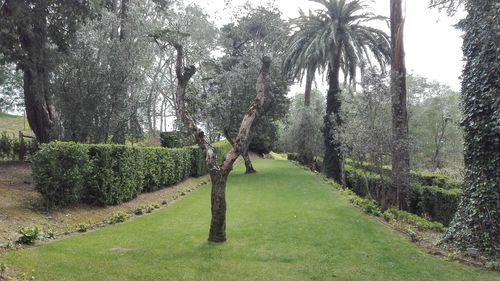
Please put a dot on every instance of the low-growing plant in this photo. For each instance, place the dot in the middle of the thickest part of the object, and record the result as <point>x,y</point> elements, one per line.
<point>493,265</point>
<point>83,227</point>
<point>412,219</point>
<point>118,217</point>
<point>28,235</point>
<point>149,208</point>
<point>138,211</point>
<point>156,206</point>
<point>50,234</point>
<point>164,202</point>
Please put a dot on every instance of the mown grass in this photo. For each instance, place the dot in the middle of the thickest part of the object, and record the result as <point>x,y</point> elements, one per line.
<point>283,224</point>
<point>12,124</point>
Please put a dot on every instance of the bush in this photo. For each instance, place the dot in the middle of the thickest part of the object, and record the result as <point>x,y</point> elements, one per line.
<point>83,227</point>
<point>118,217</point>
<point>175,139</point>
<point>138,211</point>
<point>60,173</point>
<point>28,235</point>
<point>116,174</point>
<point>419,222</point>
<point>437,203</point>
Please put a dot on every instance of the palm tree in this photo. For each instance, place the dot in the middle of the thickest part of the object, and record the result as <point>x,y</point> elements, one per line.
<point>335,38</point>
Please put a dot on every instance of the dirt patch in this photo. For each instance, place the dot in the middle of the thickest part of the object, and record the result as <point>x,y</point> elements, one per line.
<point>20,204</point>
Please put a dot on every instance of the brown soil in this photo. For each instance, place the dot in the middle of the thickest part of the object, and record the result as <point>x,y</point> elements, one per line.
<point>20,204</point>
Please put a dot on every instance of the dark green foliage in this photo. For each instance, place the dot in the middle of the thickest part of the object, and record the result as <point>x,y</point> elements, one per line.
<point>68,173</point>
<point>437,203</point>
<point>116,174</point>
<point>477,221</point>
<point>60,173</point>
<point>83,227</point>
<point>175,139</point>
<point>419,222</point>
<point>28,235</point>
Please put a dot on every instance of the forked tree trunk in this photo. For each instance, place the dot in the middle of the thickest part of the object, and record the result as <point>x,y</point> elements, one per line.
<point>218,173</point>
<point>400,143</point>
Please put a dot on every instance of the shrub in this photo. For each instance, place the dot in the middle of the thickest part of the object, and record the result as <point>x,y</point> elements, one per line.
<point>437,203</point>
<point>118,217</point>
<point>412,219</point>
<point>28,235</point>
<point>116,174</point>
<point>175,139</point>
<point>150,208</point>
<point>138,211</point>
<point>60,173</point>
<point>83,227</point>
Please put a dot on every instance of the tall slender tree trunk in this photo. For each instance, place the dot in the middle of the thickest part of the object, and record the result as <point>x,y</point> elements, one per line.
<point>40,110</point>
<point>333,160</point>
<point>400,143</point>
<point>309,81</point>
<point>476,223</point>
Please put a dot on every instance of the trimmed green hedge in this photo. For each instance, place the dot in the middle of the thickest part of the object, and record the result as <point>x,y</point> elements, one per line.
<point>433,196</point>
<point>101,174</point>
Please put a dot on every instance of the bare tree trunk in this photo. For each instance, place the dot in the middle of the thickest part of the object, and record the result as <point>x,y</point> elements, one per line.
<point>248,163</point>
<point>309,81</point>
<point>400,143</point>
<point>218,173</point>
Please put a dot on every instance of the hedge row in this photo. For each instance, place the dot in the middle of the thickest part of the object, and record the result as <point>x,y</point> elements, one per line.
<point>103,174</point>
<point>435,203</point>
<point>422,178</point>
<point>12,148</point>
<point>433,196</point>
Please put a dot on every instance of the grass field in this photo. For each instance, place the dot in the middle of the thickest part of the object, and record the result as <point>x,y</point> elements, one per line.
<point>284,223</point>
<point>12,124</point>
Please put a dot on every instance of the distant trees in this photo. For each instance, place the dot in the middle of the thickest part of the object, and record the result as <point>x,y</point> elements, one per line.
<point>11,88</point>
<point>338,36</point>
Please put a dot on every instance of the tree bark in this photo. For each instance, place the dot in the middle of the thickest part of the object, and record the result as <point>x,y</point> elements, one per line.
<point>40,110</point>
<point>333,159</point>
<point>246,158</point>
<point>400,143</point>
<point>218,173</point>
<point>309,81</point>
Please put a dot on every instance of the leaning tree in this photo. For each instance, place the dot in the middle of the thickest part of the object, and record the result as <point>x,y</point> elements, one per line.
<point>337,37</point>
<point>218,172</point>
<point>477,221</point>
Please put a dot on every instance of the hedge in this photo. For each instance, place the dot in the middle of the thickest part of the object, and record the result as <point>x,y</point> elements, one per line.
<point>433,196</point>
<point>103,174</point>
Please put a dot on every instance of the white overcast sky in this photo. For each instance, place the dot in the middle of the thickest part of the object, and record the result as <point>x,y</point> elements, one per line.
<point>433,45</point>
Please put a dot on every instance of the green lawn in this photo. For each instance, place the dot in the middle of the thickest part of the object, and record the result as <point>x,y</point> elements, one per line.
<point>283,224</point>
<point>12,124</point>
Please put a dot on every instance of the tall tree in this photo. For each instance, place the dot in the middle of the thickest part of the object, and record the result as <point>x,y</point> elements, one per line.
<point>400,143</point>
<point>477,221</point>
<point>338,37</point>
<point>27,31</point>
<point>218,172</point>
